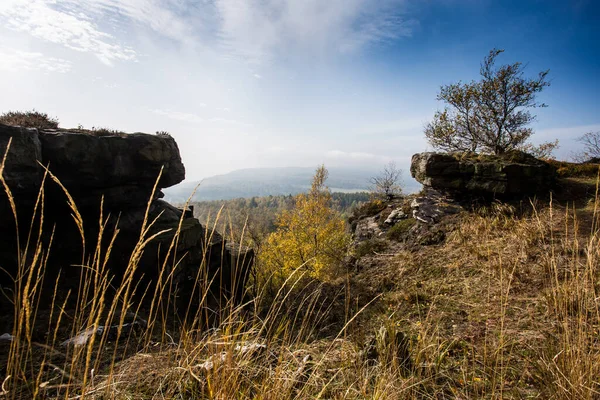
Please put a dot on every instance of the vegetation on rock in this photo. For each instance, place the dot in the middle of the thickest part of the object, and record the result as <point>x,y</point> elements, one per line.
<point>29,119</point>
<point>400,229</point>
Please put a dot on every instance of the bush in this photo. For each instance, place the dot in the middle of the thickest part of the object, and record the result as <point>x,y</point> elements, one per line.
<point>105,132</point>
<point>370,246</point>
<point>370,208</point>
<point>399,231</point>
<point>575,170</point>
<point>29,119</point>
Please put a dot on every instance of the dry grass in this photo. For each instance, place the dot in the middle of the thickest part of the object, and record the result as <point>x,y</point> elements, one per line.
<point>507,307</point>
<point>29,119</point>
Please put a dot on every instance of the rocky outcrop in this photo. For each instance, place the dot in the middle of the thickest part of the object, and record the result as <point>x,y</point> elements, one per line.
<point>513,174</point>
<point>367,228</point>
<point>117,167</point>
<point>118,173</point>
<point>431,206</point>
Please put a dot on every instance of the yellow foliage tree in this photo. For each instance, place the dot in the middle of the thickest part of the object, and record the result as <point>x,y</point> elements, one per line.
<point>311,235</point>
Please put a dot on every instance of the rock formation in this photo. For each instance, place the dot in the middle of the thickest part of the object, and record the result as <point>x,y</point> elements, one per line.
<point>513,174</point>
<point>118,174</point>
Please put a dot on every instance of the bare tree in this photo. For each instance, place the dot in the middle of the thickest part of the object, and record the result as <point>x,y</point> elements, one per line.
<point>591,146</point>
<point>387,183</point>
<point>490,115</point>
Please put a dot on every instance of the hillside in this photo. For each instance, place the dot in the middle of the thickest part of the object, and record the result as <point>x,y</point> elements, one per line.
<point>257,182</point>
<point>482,285</point>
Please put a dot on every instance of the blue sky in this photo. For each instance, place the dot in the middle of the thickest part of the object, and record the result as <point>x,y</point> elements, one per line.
<point>273,83</point>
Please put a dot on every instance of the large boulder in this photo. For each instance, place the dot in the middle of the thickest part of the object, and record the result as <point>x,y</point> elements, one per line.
<point>106,161</point>
<point>123,168</point>
<point>119,172</point>
<point>509,175</point>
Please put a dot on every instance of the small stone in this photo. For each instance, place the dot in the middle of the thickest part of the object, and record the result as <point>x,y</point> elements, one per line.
<point>395,216</point>
<point>6,336</point>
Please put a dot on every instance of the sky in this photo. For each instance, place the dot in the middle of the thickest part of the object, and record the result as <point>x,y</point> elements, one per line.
<point>275,83</point>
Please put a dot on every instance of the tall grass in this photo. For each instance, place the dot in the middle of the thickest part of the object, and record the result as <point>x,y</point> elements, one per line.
<point>270,346</point>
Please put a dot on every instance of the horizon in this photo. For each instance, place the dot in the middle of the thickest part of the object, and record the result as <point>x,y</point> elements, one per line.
<point>272,84</point>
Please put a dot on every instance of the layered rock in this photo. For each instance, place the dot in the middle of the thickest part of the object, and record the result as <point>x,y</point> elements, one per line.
<point>118,173</point>
<point>510,175</point>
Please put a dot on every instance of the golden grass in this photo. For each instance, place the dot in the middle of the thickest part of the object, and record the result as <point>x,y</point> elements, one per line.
<point>507,307</point>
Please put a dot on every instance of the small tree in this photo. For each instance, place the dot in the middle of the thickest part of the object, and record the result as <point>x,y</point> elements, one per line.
<point>591,146</point>
<point>387,183</point>
<point>311,235</point>
<point>490,115</point>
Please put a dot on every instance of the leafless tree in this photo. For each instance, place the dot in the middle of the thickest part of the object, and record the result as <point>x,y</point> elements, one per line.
<point>591,146</point>
<point>387,183</point>
<point>490,115</point>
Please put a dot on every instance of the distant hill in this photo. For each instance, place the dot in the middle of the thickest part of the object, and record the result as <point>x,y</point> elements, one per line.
<point>274,181</point>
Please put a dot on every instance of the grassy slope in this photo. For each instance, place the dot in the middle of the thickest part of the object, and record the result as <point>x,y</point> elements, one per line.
<point>506,307</point>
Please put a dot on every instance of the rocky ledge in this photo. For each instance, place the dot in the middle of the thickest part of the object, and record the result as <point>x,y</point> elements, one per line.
<point>120,174</point>
<point>513,174</point>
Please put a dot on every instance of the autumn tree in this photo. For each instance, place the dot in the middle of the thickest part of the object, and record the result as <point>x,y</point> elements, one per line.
<point>490,115</point>
<point>387,183</point>
<point>310,235</point>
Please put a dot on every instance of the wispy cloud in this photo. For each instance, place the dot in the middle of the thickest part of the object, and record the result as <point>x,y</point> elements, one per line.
<point>18,60</point>
<point>61,23</point>
<point>355,156</point>
<point>260,30</point>
<point>179,116</point>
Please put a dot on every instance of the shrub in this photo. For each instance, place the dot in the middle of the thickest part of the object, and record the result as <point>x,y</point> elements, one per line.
<point>370,246</point>
<point>574,170</point>
<point>105,132</point>
<point>29,119</point>
<point>370,208</point>
<point>399,231</point>
<point>163,134</point>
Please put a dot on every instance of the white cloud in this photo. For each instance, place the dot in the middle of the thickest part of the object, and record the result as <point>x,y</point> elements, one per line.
<point>179,116</point>
<point>64,25</point>
<point>340,155</point>
<point>257,76</point>
<point>18,60</point>
<point>259,30</point>
<point>196,119</point>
